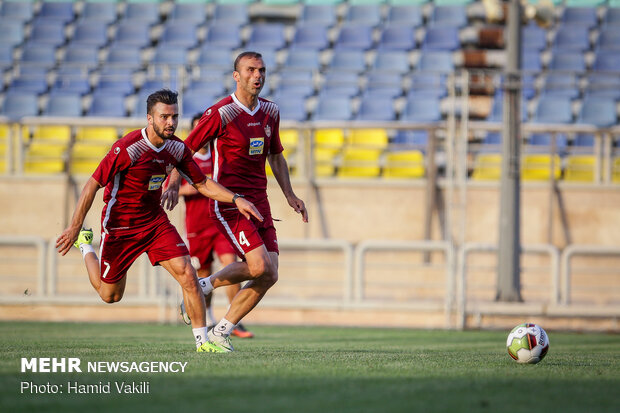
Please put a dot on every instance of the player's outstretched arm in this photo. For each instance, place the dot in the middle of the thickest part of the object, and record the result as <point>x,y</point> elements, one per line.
<point>65,241</point>
<point>214,190</point>
<point>280,171</point>
<point>170,197</point>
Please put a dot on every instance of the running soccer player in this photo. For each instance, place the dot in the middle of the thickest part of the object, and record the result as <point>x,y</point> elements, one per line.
<point>243,131</point>
<point>133,221</point>
<point>205,239</point>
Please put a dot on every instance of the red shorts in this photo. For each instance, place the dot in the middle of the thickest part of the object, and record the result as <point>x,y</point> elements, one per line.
<point>202,245</point>
<point>117,253</point>
<point>244,234</point>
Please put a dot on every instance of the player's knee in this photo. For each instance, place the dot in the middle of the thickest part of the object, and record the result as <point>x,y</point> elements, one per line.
<point>111,298</point>
<point>188,280</point>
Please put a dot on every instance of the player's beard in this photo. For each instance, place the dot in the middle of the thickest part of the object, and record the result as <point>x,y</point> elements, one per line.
<point>161,132</point>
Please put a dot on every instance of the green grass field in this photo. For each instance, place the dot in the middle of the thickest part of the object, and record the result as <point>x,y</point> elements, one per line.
<point>315,369</point>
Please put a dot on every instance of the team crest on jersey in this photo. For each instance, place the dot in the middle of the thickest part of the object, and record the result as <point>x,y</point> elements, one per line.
<point>208,112</point>
<point>156,181</point>
<point>117,150</point>
<point>256,146</point>
<point>268,131</point>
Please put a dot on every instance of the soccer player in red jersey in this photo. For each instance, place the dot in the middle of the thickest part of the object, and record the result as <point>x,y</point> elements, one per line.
<point>133,220</point>
<point>205,239</point>
<point>243,132</point>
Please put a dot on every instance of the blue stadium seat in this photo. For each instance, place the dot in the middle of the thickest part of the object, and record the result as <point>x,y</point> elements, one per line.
<point>377,109</point>
<point>302,59</point>
<point>543,142</point>
<point>348,60</point>
<point>599,111</point>
<point>441,38</point>
<point>12,31</point>
<point>233,14</point>
<point>128,57</point>
<point>332,107</point>
<point>405,14</point>
<point>567,61</point>
<point>606,61</point>
<point>99,11</point>
<point>383,84</point>
<point>291,107</point>
<point>214,58</point>
<point>39,55</point>
<point>533,38</point>
<point>184,13</point>
<point>391,61</point>
<point>6,56</point>
<point>609,38</point>
<point>17,11</point>
<point>61,12</point>
<point>179,35</point>
<point>553,109</point>
<point>207,87</point>
<point>71,85</point>
<point>428,83</point>
<point>583,140</point>
<point>29,84</point>
<point>108,105</point>
<point>354,37</point>
<point>91,32</point>
<point>131,34</point>
<point>19,104</point>
<point>397,37</point>
<point>579,16</point>
<point>530,61</point>
<point>415,139</point>
<point>439,61</point>
<point>497,109</point>
<point>318,15</point>
<point>561,84</point>
<point>310,36</point>
<point>195,102</point>
<point>364,14</point>
<point>81,55</point>
<point>612,17</point>
<point>114,86</point>
<point>268,36</point>
<point>223,35</point>
<point>572,38</point>
<point>48,33</point>
<point>449,16</point>
<point>141,13</point>
<point>63,105</point>
<point>604,85</point>
<point>421,108</point>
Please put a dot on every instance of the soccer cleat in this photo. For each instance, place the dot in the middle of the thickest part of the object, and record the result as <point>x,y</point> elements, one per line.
<point>221,344</point>
<point>184,314</point>
<point>208,348</point>
<point>85,237</point>
<point>241,332</point>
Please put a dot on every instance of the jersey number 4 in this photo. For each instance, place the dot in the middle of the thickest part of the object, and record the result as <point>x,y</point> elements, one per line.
<point>243,240</point>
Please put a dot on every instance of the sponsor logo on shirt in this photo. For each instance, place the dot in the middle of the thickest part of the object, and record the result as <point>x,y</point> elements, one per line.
<point>156,181</point>
<point>256,146</point>
<point>253,123</point>
<point>159,160</point>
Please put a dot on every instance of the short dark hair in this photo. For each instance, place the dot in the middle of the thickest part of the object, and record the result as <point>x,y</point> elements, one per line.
<point>253,55</point>
<point>195,118</point>
<point>165,96</point>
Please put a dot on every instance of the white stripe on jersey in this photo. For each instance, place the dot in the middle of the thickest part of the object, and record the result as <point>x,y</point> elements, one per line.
<point>136,149</point>
<point>228,113</point>
<point>117,180</point>
<point>271,109</point>
<point>101,244</point>
<point>176,149</point>
<point>216,204</point>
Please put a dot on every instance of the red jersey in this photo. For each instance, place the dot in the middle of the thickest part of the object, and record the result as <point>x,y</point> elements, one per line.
<point>197,205</point>
<point>240,142</point>
<point>132,173</point>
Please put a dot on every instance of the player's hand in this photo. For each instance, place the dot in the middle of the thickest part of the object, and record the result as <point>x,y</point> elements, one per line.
<point>248,209</point>
<point>65,241</point>
<point>170,197</point>
<point>299,207</point>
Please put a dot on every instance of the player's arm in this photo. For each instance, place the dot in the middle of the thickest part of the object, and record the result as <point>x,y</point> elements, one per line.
<point>280,171</point>
<point>170,197</point>
<point>214,190</point>
<point>70,234</point>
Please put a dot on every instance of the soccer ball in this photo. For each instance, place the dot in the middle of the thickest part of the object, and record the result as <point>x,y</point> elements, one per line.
<point>527,343</point>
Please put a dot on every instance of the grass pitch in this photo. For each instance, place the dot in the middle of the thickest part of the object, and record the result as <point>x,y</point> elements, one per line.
<point>315,369</point>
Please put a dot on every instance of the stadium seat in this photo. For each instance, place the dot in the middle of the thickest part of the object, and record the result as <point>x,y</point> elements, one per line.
<point>60,12</point>
<point>380,84</point>
<point>579,16</point>
<point>99,11</point>
<point>538,167</point>
<point>114,85</point>
<point>448,16</point>
<point>108,105</point>
<point>359,163</point>
<point>293,108</point>
<point>561,84</point>
<point>372,138</point>
<point>144,13</point>
<point>332,107</point>
<point>572,38</point>
<point>609,38</point>
<point>194,102</point>
<point>222,35</point>
<point>612,17</point>
<point>604,85</point>
<point>428,83</point>
<point>533,38</point>
<point>130,34</point>
<point>232,14</point>
<point>130,57</point>
<point>531,61</point>
<point>85,157</point>
<point>436,61</point>
<point>567,61</point>
<point>13,32</point>
<point>606,61</point>
<point>363,14</point>
<point>206,86</point>
<point>97,134</point>
<point>192,13</point>
<point>38,55</point>
<point>28,83</point>
<point>615,171</point>
<point>354,37</point>
<point>167,54</point>
<point>441,38</point>
<point>397,37</point>
<point>598,111</point>
<point>17,11</point>
<point>391,61</point>
<point>553,109</point>
<point>318,15</point>
<point>63,105</point>
<point>19,104</point>
<point>90,33</point>
<point>487,167</point>
<point>377,109</point>
<point>310,36</point>
<point>324,162</point>
<point>329,138</point>
<point>406,164</point>
<point>411,139</point>
<point>421,108</point>
<point>580,168</point>
<point>81,55</point>
<point>178,36</point>
<point>49,33</point>
<point>405,14</point>
<point>543,143</point>
<point>348,60</point>
<point>302,59</point>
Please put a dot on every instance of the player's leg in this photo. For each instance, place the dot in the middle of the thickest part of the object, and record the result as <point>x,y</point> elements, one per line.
<point>231,291</point>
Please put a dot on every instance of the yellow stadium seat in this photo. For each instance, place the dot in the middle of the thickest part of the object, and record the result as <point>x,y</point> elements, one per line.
<point>404,164</point>
<point>580,168</point>
<point>369,138</point>
<point>287,154</point>
<point>85,157</point>
<point>324,162</point>
<point>45,150</point>
<point>615,172</point>
<point>44,166</point>
<point>3,149</point>
<point>4,132</point>
<point>289,138</point>
<point>106,134</point>
<point>360,163</point>
<point>487,167</point>
<point>537,167</point>
<point>329,138</point>
<point>54,133</point>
